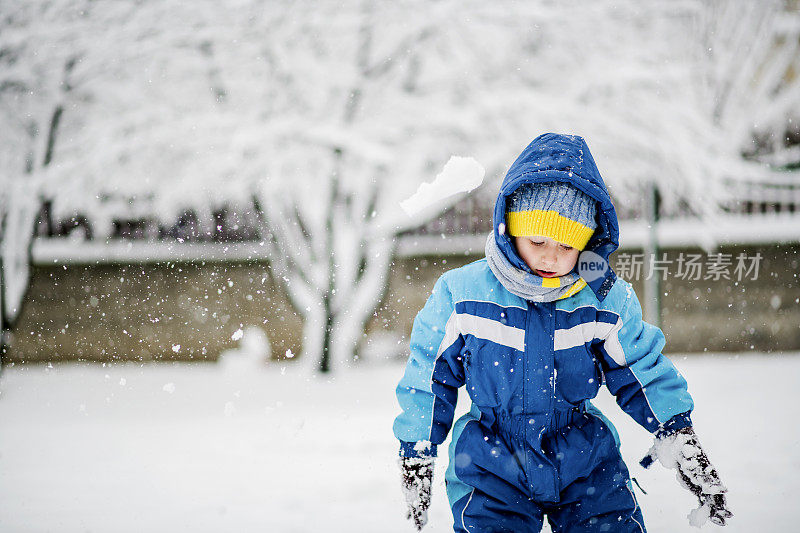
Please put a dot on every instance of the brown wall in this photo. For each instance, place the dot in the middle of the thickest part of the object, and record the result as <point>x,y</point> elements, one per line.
<point>110,312</point>
<point>723,315</point>
<point>762,314</point>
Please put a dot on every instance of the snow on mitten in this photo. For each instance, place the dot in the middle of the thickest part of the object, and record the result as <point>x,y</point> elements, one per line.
<point>681,450</point>
<point>417,480</point>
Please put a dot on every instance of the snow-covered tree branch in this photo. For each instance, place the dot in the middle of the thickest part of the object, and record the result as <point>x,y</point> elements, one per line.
<point>750,60</point>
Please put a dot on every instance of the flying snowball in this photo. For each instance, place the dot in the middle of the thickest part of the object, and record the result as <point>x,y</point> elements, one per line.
<point>460,174</point>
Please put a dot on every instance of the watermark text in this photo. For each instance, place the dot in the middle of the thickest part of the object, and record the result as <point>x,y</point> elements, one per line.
<point>688,266</point>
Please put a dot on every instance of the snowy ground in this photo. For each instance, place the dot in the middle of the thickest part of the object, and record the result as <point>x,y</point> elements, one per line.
<point>201,448</point>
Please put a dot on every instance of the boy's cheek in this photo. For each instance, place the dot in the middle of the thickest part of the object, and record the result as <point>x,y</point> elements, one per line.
<point>572,260</point>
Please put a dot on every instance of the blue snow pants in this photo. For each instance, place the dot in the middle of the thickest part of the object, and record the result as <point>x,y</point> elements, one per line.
<point>498,482</point>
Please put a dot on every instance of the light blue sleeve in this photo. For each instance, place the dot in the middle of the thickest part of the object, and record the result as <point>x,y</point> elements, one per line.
<point>646,384</point>
<point>428,390</point>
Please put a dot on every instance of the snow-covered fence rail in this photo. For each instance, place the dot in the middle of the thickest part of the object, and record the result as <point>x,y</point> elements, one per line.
<point>758,197</point>
<point>729,229</point>
<point>60,251</point>
<point>757,214</point>
<point>135,219</point>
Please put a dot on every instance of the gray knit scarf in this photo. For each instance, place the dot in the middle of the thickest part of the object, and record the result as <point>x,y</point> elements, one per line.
<point>524,284</point>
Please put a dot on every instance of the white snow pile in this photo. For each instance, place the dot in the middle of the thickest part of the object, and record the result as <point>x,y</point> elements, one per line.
<point>382,345</point>
<point>460,174</point>
<point>680,452</point>
<point>253,350</point>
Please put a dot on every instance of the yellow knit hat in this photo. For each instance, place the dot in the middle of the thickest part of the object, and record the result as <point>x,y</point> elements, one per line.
<point>553,209</point>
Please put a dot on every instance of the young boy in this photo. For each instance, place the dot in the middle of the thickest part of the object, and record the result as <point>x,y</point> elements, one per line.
<point>533,337</point>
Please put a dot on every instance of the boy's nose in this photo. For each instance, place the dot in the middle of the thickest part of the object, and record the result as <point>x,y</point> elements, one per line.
<point>549,259</point>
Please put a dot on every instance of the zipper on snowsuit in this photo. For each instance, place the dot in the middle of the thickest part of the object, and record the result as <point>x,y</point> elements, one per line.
<point>548,309</point>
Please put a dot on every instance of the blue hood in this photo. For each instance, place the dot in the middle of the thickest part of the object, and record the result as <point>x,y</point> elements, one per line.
<point>565,158</point>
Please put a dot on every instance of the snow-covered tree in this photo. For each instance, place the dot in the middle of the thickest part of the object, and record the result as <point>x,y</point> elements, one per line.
<point>750,61</point>
<point>752,82</point>
<point>241,105</point>
<point>384,100</point>
<point>39,48</point>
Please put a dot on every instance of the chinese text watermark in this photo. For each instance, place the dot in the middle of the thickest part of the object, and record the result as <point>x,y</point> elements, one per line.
<point>689,266</point>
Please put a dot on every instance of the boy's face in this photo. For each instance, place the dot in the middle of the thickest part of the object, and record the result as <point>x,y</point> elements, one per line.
<point>546,257</point>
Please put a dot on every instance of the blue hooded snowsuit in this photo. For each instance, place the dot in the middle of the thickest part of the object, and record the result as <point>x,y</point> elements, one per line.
<point>532,443</point>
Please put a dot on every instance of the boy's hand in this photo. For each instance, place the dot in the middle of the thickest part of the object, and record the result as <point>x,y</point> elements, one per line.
<point>417,479</point>
<point>682,451</point>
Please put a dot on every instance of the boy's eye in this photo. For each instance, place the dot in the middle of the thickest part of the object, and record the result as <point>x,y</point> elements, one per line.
<point>566,247</point>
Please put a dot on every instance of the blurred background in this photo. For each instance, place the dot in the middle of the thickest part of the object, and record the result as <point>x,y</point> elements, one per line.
<point>216,186</point>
